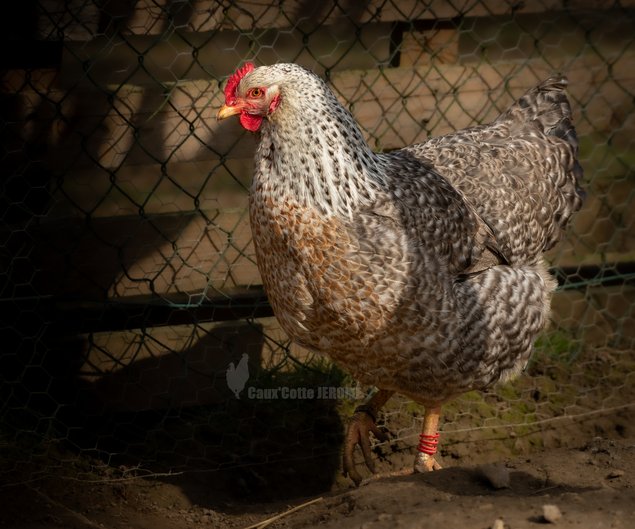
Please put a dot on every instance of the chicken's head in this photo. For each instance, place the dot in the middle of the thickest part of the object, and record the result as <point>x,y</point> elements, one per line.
<point>251,100</point>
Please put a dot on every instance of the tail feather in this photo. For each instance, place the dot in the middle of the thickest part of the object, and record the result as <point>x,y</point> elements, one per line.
<point>547,106</point>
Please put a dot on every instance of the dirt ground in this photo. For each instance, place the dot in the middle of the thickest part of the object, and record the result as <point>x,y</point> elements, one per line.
<point>592,486</point>
<point>569,443</point>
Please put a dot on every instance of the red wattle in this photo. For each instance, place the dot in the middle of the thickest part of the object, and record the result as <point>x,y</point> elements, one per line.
<point>250,122</point>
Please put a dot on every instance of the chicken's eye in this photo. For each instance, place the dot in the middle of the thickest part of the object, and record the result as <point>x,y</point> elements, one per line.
<point>255,92</point>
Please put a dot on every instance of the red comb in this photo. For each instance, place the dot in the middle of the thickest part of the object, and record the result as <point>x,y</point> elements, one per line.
<point>232,83</point>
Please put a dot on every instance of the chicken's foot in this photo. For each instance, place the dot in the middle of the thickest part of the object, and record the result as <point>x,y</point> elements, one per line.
<point>361,423</point>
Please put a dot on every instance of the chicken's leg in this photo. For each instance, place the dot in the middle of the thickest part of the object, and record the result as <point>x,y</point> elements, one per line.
<point>428,441</point>
<point>361,423</point>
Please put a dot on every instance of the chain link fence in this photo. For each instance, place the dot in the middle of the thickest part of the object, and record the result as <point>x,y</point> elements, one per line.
<point>135,333</point>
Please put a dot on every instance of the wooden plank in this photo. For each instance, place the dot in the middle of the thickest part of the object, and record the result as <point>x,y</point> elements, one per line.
<point>153,189</point>
<point>108,126</point>
<point>397,107</point>
<point>597,316</point>
<point>148,60</point>
<point>129,256</point>
<point>442,9</point>
<point>438,45</point>
<point>82,20</point>
<point>143,125</point>
<point>394,106</point>
<point>561,34</point>
<point>602,231</point>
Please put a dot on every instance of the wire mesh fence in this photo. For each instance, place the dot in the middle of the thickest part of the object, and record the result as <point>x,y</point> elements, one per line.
<point>135,327</point>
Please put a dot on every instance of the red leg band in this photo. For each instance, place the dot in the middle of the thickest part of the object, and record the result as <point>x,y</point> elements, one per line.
<point>428,443</point>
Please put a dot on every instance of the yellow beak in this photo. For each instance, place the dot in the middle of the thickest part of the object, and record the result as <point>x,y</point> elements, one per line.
<point>227,111</point>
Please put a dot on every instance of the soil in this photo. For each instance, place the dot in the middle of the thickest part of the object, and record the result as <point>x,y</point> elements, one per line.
<point>562,437</point>
<point>592,486</point>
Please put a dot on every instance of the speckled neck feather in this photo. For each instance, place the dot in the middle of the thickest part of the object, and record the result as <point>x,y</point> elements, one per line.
<point>311,149</point>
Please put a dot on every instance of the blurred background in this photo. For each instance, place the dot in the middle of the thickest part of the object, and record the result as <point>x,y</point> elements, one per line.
<point>133,318</point>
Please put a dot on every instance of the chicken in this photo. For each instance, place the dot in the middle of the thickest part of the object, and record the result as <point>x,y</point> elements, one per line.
<point>237,375</point>
<point>420,271</point>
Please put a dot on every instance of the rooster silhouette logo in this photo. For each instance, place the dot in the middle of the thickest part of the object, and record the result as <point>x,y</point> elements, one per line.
<point>237,376</point>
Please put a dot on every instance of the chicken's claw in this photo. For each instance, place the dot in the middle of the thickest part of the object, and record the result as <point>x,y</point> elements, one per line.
<point>426,463</point>
<point>361,423</point>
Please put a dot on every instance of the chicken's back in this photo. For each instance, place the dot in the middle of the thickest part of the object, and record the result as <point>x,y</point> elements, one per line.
<point>520,173</point>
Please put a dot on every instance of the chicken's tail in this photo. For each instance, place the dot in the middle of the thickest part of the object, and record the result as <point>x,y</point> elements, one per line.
<point>547,106</point>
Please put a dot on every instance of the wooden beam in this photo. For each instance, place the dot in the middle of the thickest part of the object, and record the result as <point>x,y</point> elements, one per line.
<point>81,317</point>
<point>156,17</point>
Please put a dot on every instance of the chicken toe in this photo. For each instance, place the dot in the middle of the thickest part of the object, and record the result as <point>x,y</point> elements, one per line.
<point>426,463</point>
<point>359,428</point>
<point>360,425</point>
